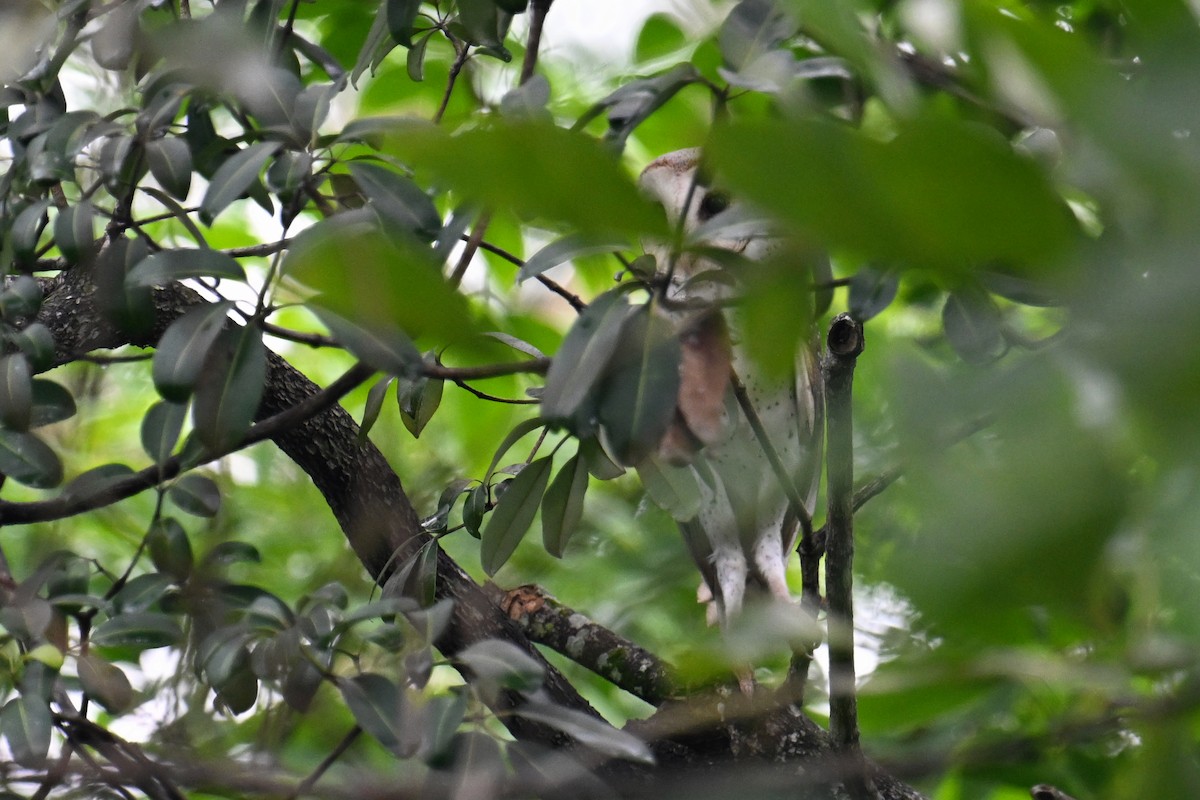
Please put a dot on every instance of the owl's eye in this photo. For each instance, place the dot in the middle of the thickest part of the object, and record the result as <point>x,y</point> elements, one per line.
<point>712,204</point>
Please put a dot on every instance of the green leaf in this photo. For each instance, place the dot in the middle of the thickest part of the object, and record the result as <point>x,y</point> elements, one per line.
<point>37,343</point>
<point>27,459</point>
<point>418,399</point>
<point>144,630</point>
<point>589,731</point>
<point>513,514</point>
<point>16,392</point>
<point>398,199</point>
<point>378,706</point>
<point>170,549</point>
<point>753,29</point>
<point>105,683</point>
<point>141,592</point>
<point>234,178</point>
<point>871,291</point>
<point>75,232</point>
<point>519,431</point>
<point>95,480</point>
<point>196,495</point>
<point>639,395</point>
<point>170,161</point>
<point>228,396</point>
<point>562,507</point>
<point>631,104</point>
<point>598,462</point>
<point>167,266</point>
<point>387,349</point>
<point>373,406</point>
<point>232,552</point>
<point>161,428</point>
<point>22,297</point>
<point>535,169</point>
<point>401,14</point>
<point>184,348</point>
<point>27,724</point>
<point>414,63</point>
<point>571,246</point>
<point>51,403</point>
<point>25,231</point>
<point>481,22</point>
<point>902,200</point>
<point>581,362</point>
<point>113,45</point>
<point>973,326</point>
<point>474,509</point>
<point>382,280</point>
<point>503,665</point>
<point>675,490</point>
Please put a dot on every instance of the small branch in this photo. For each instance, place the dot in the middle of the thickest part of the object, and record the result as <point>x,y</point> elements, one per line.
<point>67,506</point>
<point>538,9</point>
<point>573,299</point>
<point>619,661</point>
<point>536,366</point>
<point>491,398</point>
<point>461,53</point>
<point>845,342</point>
<point>477,231</point>
<point>306,785</point>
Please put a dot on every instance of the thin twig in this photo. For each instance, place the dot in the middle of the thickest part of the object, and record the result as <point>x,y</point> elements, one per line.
<point>845,342</point>
<point>575,301</point>
<point>70,505</point>
<point>309,782</point>
<point>462,52</point>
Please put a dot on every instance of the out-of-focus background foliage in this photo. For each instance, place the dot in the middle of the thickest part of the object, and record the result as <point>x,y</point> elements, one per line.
<point>1010,196</point>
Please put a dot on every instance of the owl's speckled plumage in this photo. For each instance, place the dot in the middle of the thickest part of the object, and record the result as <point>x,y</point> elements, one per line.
<point>740,537</point>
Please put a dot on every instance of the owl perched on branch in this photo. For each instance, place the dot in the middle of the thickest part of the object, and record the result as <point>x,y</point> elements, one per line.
<point>743,534</point>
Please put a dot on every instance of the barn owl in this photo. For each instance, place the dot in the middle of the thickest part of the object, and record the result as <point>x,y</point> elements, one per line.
<point>742,535</point>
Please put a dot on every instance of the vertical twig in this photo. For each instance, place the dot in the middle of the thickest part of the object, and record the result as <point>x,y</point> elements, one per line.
<point>845,342</point>
<point>538,9</point>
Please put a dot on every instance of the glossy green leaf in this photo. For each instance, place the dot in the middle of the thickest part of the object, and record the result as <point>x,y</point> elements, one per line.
<point>22,297</point>
<point>569,247</point>
<point>161,428</point>
<point>170,161</point>
<point>37,344</point>
<point>26,230</point>
<point>630,105</point>
<point>95,481</point>
<point>414,62</point>
<point>973,326</point>
<point>580,363</point>
<point>378,706</point>
<point>385,348</point>
<point>522,166</point>
<point>16,392</point>
<point>170,549</point>
<point>144,630</point>
<point>167,266</point>
<point>27,725</point>
<point>401,14</point>
<point>513,514</point>
<point>381,280</point>
<point>51,403</point>
<point>562,506</point>
<point>183,349</point>
<point>503,665</point>
<point>639,394</point>
<point>228,395</point>
<point>373,406</point>
<point>105,683</point>
<point>27,459</point>
<point>418,399</point>
<point>675,490</point>
<point>114,44</point>
<point>519,431</point>
<point>901,200</point>
<point>474,508</point>
<point>398,199</point>
<point>234,178</point>
<point>871,291</point>
<point>196,495</point>
<point>75,232</point>
<point>590,731</point>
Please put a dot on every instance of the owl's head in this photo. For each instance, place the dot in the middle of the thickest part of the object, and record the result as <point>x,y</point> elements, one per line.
<point>711,218</point>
